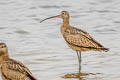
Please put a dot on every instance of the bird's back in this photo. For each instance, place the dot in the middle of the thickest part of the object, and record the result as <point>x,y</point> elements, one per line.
<point>80,40</point>
<point>14,70</point>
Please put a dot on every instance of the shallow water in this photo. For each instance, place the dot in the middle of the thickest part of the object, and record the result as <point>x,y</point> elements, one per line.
<point>41,47</point>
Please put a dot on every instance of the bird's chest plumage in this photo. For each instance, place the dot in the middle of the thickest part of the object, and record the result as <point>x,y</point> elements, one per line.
<point>65,29</point>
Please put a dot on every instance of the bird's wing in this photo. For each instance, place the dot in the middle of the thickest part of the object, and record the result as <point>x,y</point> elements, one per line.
<point>80,38</point>
<point>14,70</point>
<point>77,31</point>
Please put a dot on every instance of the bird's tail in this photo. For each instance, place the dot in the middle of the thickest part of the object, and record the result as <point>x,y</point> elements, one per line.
<point>105,49</point>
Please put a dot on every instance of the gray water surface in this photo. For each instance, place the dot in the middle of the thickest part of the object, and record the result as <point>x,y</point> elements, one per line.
<point>42,49</point>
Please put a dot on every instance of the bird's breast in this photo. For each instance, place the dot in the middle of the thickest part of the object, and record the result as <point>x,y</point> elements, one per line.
<point>62,29</point>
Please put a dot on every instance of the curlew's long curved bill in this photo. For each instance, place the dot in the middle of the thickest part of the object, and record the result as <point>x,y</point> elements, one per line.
<point>58,16</point>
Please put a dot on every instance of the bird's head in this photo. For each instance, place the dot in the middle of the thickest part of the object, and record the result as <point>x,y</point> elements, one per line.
<point>3,49</point>
<point>63,15</point>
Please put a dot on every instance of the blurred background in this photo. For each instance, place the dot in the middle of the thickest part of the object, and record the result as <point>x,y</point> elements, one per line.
<point>41,47</point>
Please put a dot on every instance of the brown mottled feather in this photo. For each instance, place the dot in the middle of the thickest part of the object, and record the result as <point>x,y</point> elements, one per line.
<point>80,40</point>
<point>14,70</point>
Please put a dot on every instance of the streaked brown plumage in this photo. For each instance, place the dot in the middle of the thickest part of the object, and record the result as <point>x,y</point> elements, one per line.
<point>11,69</point>
<point>77,39</point>
<point>80,40</point>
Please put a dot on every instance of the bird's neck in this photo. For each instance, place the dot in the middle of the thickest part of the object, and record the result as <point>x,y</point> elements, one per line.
<point>66,21</point>
<point>64,25</point>
<point>4,57</point>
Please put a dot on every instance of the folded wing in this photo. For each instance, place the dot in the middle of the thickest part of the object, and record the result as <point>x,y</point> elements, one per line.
<point>79,38</point>
<point>14,70</point>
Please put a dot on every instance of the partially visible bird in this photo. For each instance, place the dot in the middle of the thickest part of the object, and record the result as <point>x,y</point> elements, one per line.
<point>77,39</point>
<point>11,69</point>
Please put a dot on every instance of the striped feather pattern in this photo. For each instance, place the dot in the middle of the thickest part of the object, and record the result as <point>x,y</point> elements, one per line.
<point>80,40</point>
<point>14,70</point>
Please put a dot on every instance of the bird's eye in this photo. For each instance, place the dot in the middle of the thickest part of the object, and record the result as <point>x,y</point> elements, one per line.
<point>2,46</point>
<point>63,13</point>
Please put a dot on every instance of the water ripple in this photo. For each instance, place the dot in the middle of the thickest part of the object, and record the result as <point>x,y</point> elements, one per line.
<point>49,6</point>
<point>21,32</point>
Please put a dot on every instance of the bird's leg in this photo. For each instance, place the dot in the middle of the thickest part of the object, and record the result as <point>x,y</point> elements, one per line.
<point>79,60</point>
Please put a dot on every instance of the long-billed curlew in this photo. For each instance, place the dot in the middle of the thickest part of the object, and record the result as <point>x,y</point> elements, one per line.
<point>11,69</point>
<point>77,39</point>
